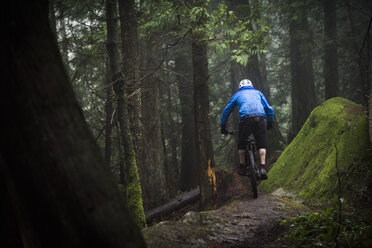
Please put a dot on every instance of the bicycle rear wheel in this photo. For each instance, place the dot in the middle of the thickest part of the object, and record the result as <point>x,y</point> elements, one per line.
<point>252,172</point>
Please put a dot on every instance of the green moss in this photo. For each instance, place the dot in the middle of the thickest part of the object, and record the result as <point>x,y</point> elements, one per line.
<point>308,165</point>
<point>134,196</point>
<point>293,206</point>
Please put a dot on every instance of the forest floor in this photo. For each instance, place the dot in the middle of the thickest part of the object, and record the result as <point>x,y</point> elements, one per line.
<point>241,222</point>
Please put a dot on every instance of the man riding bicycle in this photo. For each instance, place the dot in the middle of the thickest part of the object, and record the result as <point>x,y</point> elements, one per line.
<point>256,115</point>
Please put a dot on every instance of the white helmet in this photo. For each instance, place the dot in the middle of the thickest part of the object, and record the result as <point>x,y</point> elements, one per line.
<point>245,82</point>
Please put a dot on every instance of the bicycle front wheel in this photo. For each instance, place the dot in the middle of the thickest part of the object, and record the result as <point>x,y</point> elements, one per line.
<point>252,173</point>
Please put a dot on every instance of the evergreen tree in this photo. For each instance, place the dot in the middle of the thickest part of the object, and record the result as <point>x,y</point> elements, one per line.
<point>302,83</point>
<point>113,70</point>
<point>129,174</point>
<point>205,159</point>
<point>330,46</point>
<point>152,157</point>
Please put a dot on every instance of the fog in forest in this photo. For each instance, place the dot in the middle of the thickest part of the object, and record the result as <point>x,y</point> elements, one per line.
<point>117,106</point>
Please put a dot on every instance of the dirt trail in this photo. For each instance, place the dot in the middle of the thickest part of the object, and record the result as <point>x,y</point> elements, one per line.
<point>244,222</point>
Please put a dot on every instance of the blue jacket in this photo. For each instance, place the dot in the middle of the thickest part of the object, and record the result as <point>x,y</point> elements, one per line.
<point>251,102</point>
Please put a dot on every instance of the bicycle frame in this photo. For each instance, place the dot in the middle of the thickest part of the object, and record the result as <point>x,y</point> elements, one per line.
<point>251,165</point>
<point>250,162</point>
<point>251,145</point>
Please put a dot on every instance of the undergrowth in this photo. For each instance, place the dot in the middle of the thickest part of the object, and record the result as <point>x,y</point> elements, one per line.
<point>328,228</point>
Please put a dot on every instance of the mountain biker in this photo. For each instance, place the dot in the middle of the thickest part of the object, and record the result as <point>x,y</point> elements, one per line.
<point>256,115</point>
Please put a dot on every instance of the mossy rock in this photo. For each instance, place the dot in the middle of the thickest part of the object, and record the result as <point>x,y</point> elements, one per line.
<point>331,147</point>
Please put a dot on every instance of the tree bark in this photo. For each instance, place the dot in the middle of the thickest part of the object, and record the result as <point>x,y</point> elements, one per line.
<point>189,172</point>
<point>63,44</point>
<point>113,69</point>
<point>362,50</point>
<point>265,83</point>
<point>366,53</point>
<point>205,159</point>
<point>172,168</point>
<point>252,72</point>
<point>170,137</point>
<point>370,109</point>
<point>128,26</point>
<point>235,77</point>
<point>54,172</point>
<point>152,172</point>
<point>10,235</point>
<point>130,180</point>
<point>330,46</point>
<point>108,120</point>
<point>52,18</point>
<point>302,83</point>
<point>275,140</point>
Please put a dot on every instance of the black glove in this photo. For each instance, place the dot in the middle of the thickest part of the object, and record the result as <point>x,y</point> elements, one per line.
<point>269,125</point>
<point>224,130</point>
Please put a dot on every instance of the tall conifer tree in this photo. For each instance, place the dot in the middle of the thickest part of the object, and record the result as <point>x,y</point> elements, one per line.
<point>303,91</point>
<point>205,158</point>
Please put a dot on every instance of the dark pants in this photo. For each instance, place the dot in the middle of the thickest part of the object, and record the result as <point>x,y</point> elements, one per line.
<point>255,125</point>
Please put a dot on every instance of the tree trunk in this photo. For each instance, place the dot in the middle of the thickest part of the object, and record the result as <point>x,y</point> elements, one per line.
<point>189,172</point>
<point>235,78</point>
<point>62,193</point>
<point>152,172</point>
<point>362,50</point>
<point>303,92</point>
<point>252,72</point>
<point>164,121</point>
<point>64,41</point>
<point>275,140</point>
<point>370,107</point>
<point>330,46</point>
<point>172,169</point>
<point>170,134</point>
<point>366,53</point>
<point>108,118</point>
<point>113,69</point>
<point>205,159</point>
<point>128,26</point>
<point>236,75</point>
<point>265,83</point>
<point>130,180</point>
<point>52,18</point>
<point>10,236</point>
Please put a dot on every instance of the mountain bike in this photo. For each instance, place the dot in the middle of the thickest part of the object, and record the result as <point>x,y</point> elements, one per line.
<point>252,170</point>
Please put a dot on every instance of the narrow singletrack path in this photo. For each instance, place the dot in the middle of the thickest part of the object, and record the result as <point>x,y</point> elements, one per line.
<point>244,222</point>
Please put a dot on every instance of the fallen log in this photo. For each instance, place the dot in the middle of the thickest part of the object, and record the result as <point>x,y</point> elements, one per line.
<point>173,205</point>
